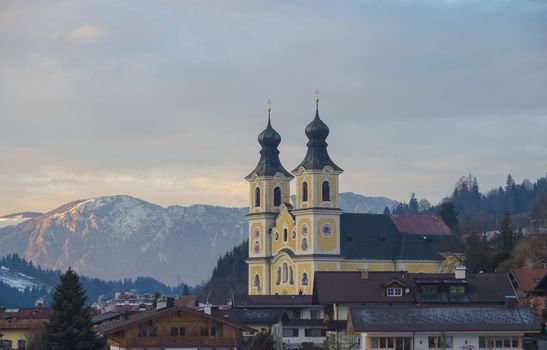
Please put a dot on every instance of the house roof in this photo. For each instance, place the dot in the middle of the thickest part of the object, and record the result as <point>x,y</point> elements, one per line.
<point>378,236</point>
<point>528,278</point>
<point>249,317</point>
<point>272,301</point>
<point>23,318</point>
<point>352,288</point>
<point>411,318</point>
<point>116,325</point>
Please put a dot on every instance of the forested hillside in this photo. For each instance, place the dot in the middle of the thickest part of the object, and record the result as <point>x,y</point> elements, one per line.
<point>11,294</point>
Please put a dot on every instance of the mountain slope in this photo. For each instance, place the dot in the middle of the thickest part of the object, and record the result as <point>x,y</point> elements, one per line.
<point>121,236</point>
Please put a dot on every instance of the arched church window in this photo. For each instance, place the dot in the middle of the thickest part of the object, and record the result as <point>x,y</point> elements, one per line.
<point>257,283</point>
<point>285,235</point>
<point>325,191</point>
<point>304,191</point>
<point>304,244</point>
<point>285,273</point>
<point>304,279</point>
<point>257,197</point>
<point>278,276</point>
<point>277,197</point>
<point>291,275</point>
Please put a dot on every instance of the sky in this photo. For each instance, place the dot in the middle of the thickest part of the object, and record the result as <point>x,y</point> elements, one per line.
<point>163,100</point>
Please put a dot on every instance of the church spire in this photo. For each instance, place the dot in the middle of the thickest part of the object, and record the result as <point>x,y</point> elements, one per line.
<point>317,132</point>
<point>269,163</point>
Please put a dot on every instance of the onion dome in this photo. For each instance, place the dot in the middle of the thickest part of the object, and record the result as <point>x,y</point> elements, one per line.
<point>269,163</point>
<point>317,156</point>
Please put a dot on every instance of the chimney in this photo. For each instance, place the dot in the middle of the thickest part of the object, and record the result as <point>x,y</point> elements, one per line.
<point>364,273</point>
<point>460,272</point>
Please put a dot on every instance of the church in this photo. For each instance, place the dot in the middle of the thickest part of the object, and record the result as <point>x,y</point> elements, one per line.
<point>289,242</point>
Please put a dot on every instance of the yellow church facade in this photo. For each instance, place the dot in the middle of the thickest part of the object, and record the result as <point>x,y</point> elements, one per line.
<point>289,242</point>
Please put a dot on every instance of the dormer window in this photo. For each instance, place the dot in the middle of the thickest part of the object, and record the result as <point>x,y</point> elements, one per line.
<point>394,292</point>
<point>457,289</point>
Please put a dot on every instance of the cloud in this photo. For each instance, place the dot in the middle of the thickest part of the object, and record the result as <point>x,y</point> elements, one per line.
<point>164,100</point>
<point>86,33</point>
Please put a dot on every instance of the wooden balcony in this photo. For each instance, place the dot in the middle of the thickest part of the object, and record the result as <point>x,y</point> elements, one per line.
<point>182,341</point>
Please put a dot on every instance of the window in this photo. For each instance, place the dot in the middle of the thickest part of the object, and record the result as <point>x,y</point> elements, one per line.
<point>204,332</point>
<point>142,331</point>
<point>21,344</point>
<point>214,331</point>
<point>257,283</point>
<point>291,275</point>
<point>440,342</point>
<point>457,289</point>
<point>285,273</point>
<point>325,191</point>
<point>315,314</point>
<point>257,197</point>
<point>304,279</point>
<point>285,235</point>
<point>278,277</point>
<point>397,343</point>
<point>394,292</point>
<point>182,331</point>
<point>290,332</point>
<point>304,244</point>
<point>174,332</point>
<point>277,197</point>
<point>153,331</point>
<point>304,191</point>
<point>297,314</point>
<point>315,332</point>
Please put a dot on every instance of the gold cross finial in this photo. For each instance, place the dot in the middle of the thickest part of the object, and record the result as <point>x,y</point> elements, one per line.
<point>317,96</point>
<point>269,106</point>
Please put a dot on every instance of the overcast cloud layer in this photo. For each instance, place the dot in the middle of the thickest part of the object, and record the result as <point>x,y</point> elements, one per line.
<point>163,100</point>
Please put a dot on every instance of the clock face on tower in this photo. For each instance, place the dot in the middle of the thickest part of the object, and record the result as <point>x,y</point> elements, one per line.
<point>326,229</point>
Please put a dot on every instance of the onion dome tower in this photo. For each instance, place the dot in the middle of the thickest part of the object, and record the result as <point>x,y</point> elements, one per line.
<point>268,191</point>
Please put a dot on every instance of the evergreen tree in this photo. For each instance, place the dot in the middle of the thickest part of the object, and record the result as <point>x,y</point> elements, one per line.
<point>447,212</point>
<point>476,254</point>
<point>185,290</point>
<point>386,211</point>
<point>506,237</point>
<point>70,326</point>
<point>413,204</point>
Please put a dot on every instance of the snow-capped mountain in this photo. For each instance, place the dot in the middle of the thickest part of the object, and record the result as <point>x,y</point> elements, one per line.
<point>121,236</point>
<point>118,237</point>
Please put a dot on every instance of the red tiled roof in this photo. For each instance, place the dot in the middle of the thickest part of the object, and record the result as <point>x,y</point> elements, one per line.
<point>24,318</point>
<point>527,278</point>
<point>421,224</point>
<point>187,300</point>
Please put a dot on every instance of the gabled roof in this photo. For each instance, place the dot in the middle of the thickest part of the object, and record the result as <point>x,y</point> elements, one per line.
<point>23,318</point>
<point>528,278</point>
<point>378,236</point>
<point>485,288</point>
<point>412,318</point>
<point>134,319</point>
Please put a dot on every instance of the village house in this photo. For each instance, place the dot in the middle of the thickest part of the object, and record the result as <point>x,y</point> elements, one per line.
<point>171,326</point>
<point>20,326</point>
